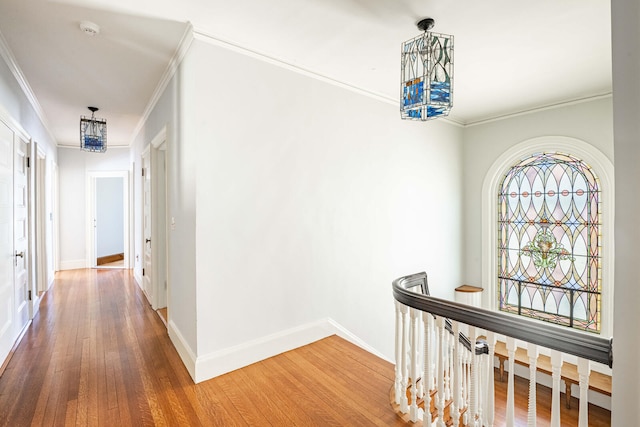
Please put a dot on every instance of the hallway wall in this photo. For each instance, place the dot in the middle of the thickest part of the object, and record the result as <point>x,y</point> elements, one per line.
<point>74,165</point>
<point>310,199</point>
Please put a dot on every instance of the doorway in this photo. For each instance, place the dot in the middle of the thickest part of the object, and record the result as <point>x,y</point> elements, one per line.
<point>154,225</point>
<point>108,220</point>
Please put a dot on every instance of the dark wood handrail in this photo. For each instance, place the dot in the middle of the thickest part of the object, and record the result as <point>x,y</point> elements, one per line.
<point>551,336</point>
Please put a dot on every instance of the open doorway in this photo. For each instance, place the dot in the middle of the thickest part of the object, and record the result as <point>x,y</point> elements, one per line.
<point>154,225</point>
<point>108,220</point>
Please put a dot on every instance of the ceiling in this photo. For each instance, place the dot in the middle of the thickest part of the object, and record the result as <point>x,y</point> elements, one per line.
<point>510,57</point>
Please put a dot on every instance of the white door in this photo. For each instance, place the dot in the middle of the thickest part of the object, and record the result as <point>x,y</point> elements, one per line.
<point>7,300</point>
<point>146,227</point>
<point>21,234</point>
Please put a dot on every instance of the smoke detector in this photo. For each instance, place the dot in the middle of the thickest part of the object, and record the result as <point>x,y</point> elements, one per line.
<point>89,28</point>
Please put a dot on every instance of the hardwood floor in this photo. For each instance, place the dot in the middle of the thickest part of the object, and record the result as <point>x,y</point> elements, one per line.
<point>568,417</point>
<point>98,355</point>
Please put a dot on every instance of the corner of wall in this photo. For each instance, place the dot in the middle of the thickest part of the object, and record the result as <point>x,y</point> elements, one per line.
<point>184,351</point>
<point>73,264</point>
<point>229,359</point>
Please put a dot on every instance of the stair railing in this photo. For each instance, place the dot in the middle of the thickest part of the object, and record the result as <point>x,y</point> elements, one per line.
<point>432,365</point>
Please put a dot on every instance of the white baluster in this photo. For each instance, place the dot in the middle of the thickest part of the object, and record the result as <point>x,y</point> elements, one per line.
<point>532,352</point>
<point>442,332</point>
<point>467,382</point>
<point>473,387</point>
<point>399,350</point>
<point>456,404</point>
<point>427,320</point>
<point>556,373</point>
<point>584,370</point>
<point>482,386</point>
<point>413,366</point>
<point>448,368</point>
<point>490,412</point>
<point>511,349</point>
<point>404,403</point>
<point>420,347</point>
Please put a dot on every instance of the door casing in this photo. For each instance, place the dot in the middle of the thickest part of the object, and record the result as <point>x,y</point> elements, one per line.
<point>91,214</point>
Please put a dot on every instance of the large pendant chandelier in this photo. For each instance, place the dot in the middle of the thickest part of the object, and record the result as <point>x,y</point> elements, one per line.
<point>93,133</point>
<point>427,74</point>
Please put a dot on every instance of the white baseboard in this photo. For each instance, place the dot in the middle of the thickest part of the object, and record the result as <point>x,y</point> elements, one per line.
<point>184,351</point>
<point>137,277</point>
<point>220,362</point>
<point>73,264</point>
<point>347,335</point>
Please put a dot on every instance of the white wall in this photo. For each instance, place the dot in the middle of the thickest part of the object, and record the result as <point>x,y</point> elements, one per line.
<point>310,199</point>
<point>625,26</point>
<point>591,122</point>
<point>181,206</point>
<point>17,112</point>
<point>109,216</point>
<point>73,167</point>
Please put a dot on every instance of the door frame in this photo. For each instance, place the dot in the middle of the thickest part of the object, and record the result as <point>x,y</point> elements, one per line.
<point>90,251</point>
<point>156,150</point>
<point>40,277</point>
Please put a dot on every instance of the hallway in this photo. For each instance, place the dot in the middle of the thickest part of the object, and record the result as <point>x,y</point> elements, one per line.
<point>98,355</point>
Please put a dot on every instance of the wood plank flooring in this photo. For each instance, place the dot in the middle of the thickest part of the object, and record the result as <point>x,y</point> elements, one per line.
<point>98,355</point>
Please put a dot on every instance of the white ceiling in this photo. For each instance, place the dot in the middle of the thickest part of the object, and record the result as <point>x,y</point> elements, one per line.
<point>510,56</point>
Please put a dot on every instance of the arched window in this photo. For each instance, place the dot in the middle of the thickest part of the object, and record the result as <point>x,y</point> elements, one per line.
<point>549,241</point>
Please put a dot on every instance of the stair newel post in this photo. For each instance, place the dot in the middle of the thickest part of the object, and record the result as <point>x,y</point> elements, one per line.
<point>456,403</point>
<point>473,386</point>
<point>532,352</point>
<point>490,413</point>
<point>427,375</point>
<point>398,353</point>
<point>511,350</point>
<point>413,365</point>
<point>584,370</point>
<point>556,372</point>
<point>442,333</point>
<point>404,380</point>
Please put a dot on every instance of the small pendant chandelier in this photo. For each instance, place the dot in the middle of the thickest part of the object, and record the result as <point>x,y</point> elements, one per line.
<point>427,74</point>
<point>93,133</point>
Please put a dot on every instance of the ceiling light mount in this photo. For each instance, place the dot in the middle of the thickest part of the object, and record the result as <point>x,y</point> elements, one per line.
<point>425,24</point>
<point>90,28</point>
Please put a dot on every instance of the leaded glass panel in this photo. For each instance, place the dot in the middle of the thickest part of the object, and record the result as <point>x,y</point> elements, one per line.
<point>549,241</point>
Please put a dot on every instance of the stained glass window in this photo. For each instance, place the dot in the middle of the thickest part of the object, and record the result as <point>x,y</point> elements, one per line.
<point>549,242</point>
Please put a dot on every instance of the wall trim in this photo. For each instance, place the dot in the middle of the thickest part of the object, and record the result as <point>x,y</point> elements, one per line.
<point>229,359</point>
<point>168,74</point>
<point>205,37</point>
<point>72,264</point>
<point>184,350</point>
<point>539,109</point>
<point>10,60</point>
<point>137,276</point>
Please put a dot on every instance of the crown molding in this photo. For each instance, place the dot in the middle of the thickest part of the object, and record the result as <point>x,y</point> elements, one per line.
<point>539,109</point>
<point>10,60</point>
<point>203,36</point>
<point>169,72</point>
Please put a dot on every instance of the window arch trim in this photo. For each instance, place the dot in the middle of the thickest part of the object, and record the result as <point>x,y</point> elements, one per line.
<point>601,166</point>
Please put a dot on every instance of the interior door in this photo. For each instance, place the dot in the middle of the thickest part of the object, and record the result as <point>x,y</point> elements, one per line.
<point>146,227</point>
<point>7,305</point>
<point>21,233</point>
